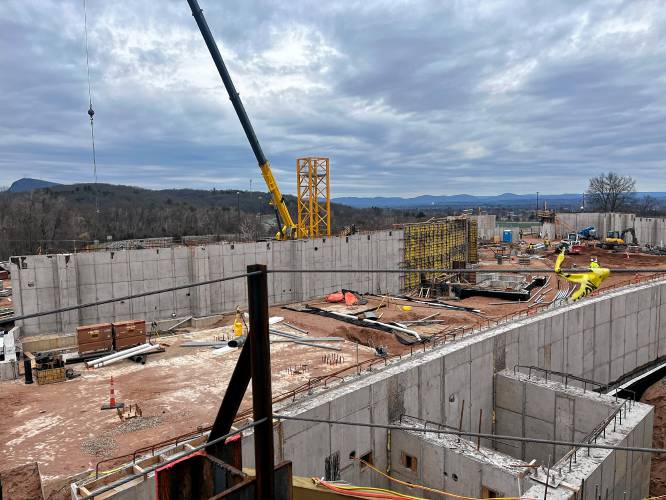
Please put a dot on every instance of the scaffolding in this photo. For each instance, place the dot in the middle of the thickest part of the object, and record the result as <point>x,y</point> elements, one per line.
<point>314,196</point>
<point>438,244</point>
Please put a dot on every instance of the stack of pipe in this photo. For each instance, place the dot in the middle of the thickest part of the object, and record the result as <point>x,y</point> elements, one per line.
<point>127,353</point>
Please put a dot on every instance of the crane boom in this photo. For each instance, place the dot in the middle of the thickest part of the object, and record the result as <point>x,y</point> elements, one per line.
<point>289,230</point>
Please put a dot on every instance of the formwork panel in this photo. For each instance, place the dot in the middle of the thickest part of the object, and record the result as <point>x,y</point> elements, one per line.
<point>438,244</point>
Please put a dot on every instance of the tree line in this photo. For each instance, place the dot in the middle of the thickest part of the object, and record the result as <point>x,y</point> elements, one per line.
<point>71,218</point>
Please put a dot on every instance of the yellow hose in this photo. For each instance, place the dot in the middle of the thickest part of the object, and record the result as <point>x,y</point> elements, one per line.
<point>433,490</point>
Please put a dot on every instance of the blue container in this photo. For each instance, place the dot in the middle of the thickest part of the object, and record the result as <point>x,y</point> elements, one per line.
<point>507,236</point>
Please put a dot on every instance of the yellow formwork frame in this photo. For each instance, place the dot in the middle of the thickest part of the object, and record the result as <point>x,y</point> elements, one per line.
<point>437,244</point>
<point>314,196</point>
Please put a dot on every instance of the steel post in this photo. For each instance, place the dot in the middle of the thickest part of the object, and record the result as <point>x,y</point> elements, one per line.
<point>262,399</point>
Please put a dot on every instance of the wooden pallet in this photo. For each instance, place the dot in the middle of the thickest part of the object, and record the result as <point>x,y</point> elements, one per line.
<point>51,376</point>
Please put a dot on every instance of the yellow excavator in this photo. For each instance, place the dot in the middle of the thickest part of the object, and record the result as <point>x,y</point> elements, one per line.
<point>287,229</point>
<point>615,239</point>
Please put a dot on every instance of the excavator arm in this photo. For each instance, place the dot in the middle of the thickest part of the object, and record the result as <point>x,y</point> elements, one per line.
<point>286,226</point>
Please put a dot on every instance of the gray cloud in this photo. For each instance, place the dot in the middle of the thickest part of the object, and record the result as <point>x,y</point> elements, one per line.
<point>405,97</point>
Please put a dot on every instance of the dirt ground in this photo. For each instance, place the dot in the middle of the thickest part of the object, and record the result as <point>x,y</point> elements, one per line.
<point>656,396</point>
<point>21,483</point>
<point>178,391</point>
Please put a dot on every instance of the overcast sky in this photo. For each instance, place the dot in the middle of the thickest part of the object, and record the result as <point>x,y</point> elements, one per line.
<point>406,98</point>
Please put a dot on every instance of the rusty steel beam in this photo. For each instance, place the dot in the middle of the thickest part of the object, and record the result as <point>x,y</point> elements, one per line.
<point>262,399</point>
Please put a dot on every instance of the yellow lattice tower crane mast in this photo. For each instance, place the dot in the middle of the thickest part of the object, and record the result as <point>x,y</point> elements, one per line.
<point>314,196</point>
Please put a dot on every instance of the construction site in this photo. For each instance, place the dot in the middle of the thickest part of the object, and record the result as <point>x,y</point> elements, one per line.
<point>412,358</point>
<point>456,357</point>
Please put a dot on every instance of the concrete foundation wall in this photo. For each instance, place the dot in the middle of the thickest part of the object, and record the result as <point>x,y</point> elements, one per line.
<point>43,282</point>
<point>649,230</point>
<point>600,338</point>
<point>446,463</point>
<point>548,410</point>
<point>486,226</point>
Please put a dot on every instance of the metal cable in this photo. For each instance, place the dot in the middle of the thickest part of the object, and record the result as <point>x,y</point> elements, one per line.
<point>126,297</point>
<point>91,112</point>
<point>217,280</point>
<point>475,434</point>
<point>172,458</point>
<point>529,270</point>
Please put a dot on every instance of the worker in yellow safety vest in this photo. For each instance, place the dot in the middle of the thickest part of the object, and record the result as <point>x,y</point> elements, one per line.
<point>588,281</point>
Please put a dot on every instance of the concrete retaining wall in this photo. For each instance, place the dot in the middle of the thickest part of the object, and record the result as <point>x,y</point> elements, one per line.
<point>486,226</point>
<point>43,282</point>
<point>446,463</point>
<point>649,230</point>
<point>536,408</point>
<point>603,222</point>
<point>600,338</point>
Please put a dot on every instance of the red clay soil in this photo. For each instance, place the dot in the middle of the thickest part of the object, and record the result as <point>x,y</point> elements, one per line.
<point>22,483</point>
<point>656,396</point>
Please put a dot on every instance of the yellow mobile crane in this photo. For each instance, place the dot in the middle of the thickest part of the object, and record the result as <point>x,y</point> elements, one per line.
<point>286,226</point>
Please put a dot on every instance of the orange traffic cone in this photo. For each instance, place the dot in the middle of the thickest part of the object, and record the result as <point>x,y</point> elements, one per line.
<point>112,399</point>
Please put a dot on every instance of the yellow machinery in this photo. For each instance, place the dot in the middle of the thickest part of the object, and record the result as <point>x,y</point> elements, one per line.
<point>287,228</point>
<point>615,239</point>
<point>314,196</point>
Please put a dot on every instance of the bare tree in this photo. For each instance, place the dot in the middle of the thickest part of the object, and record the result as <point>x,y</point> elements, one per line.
<point>611,192</point>
<point>647,206</point>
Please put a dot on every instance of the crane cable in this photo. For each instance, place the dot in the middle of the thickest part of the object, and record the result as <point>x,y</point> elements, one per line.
<point>91,112</point>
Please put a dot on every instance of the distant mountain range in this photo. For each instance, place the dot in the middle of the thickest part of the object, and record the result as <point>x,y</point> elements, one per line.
<point>26,184</point>
<point>571,200</point>
<point>468,200</point>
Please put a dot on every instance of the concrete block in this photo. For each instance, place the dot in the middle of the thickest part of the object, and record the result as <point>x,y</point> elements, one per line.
<point>630,362</point>
<point>351,439</point>
<point>618,307</point>
<point>307,450</point>
<point>557,356</point>
<point>350,403</point>
<point>509,393</point>
<point>589,319</point>
<point>539,402</point>
<point>617,339</point>
<point>430,390</point>
<point>643,327</point>
<point>616,369</point>
<point>602,311</point>
<point>575,353</point>
<point>528,348</point>
<point>458,357</point>
<point>101,258</point>
<point>631,332</point>
<point>602,373</point>
<point>538,429</point>
<point>632,302</point>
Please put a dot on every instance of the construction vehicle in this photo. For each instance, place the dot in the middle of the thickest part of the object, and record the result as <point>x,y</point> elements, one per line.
<point>615,239</point>
<point>287,229</point>
<point>571,244</point>
<point>588,233</point>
